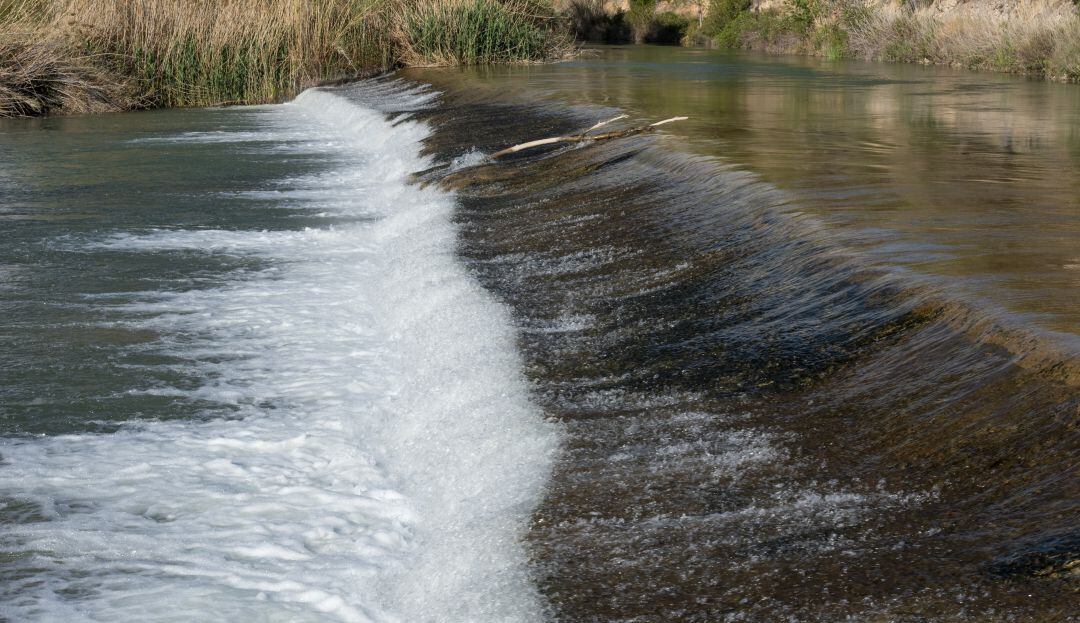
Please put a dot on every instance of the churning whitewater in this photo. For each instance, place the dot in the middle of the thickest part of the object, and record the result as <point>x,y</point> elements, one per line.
<point>383,457</point>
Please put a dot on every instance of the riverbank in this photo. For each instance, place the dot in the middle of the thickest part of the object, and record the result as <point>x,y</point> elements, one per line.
<point>1031,37</point>
<point>101,56</point>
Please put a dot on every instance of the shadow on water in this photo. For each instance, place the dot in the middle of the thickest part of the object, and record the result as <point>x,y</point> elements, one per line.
<point>762,423</point>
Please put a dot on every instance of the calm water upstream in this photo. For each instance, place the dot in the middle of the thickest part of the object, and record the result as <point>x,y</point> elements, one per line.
<point>811,355</point>
<point>972,176</point>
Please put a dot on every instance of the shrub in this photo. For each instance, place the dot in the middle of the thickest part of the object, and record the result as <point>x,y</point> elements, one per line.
<point>721,14</point>
<point>802,14</point>
<point>641,16</point>
<point>731,35</point>
<point>769,30</point>
<point>735,26</point>
<point>668,28</point>
<point>590,21</point>
<point>831,41</point>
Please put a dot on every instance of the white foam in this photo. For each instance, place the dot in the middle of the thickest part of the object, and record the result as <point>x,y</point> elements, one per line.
<point>384,457</point>
<point>470,158</point>
<point>566,323</point>
<point>212,136</point>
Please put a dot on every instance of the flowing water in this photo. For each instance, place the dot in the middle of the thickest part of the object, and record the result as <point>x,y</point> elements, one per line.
<point>811,355</point>
<point>245,379</point>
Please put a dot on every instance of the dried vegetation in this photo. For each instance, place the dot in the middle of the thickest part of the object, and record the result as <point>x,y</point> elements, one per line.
<point>89,55</point>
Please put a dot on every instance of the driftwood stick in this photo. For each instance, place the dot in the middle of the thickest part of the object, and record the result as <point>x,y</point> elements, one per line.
<point>668,121</point>
<point>543,141</point>
<point>604,123</point>
<point>585,136</point>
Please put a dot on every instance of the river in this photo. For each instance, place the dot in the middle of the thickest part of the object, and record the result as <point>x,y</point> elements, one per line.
<point>809,355</point>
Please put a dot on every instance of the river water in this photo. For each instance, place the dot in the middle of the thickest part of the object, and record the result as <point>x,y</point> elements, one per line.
<point>810,355</point>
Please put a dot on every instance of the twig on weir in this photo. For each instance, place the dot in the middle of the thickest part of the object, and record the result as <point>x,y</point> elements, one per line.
<point>604,123</point>
<point>585,136</point>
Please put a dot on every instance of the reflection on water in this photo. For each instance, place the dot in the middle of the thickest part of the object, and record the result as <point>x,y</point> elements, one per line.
<point>951,173</point>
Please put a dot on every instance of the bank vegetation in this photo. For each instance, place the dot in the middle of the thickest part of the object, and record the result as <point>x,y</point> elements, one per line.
<point>101,55</point>
<point>1033,37</point>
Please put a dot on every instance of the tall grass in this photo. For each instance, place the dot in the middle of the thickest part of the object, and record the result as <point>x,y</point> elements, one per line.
<point>1034,37</point>
<point>195,52</point>
<point>37,78</point>
<point>40,73</point>
<point>202,52</point>
<point>1038,37</point>
<point>472,32</point>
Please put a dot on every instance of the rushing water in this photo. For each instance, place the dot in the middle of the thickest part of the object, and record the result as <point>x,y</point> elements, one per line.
<point>808,356</point>
<point>245,379</point>
<point>815,348</point>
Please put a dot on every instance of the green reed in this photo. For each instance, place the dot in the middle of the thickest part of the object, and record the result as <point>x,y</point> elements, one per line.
<point>473,32</point>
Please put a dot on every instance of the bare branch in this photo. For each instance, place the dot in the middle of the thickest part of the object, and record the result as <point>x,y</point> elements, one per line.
<point>585,136</point>
<point>604,123</point>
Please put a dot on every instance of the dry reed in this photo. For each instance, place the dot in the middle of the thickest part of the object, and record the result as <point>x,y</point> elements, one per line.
<point>1033,36</point>
<point>201,52</point>
<point>37,78</point>
<point>197,52</point>
<point>40,73</point>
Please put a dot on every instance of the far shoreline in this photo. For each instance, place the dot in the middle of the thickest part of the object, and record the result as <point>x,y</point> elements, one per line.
<point>1039,38</point>
<point>155,55</point>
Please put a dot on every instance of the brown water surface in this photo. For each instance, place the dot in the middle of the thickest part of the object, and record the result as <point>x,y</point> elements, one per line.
<point>814,350</point>
<point>971,176</point>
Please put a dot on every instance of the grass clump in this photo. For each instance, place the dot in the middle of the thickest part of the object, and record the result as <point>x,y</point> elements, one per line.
<point>1064,62</point>
<point>472,32</point>
<point>37,78</point>
<point>40,74</point>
